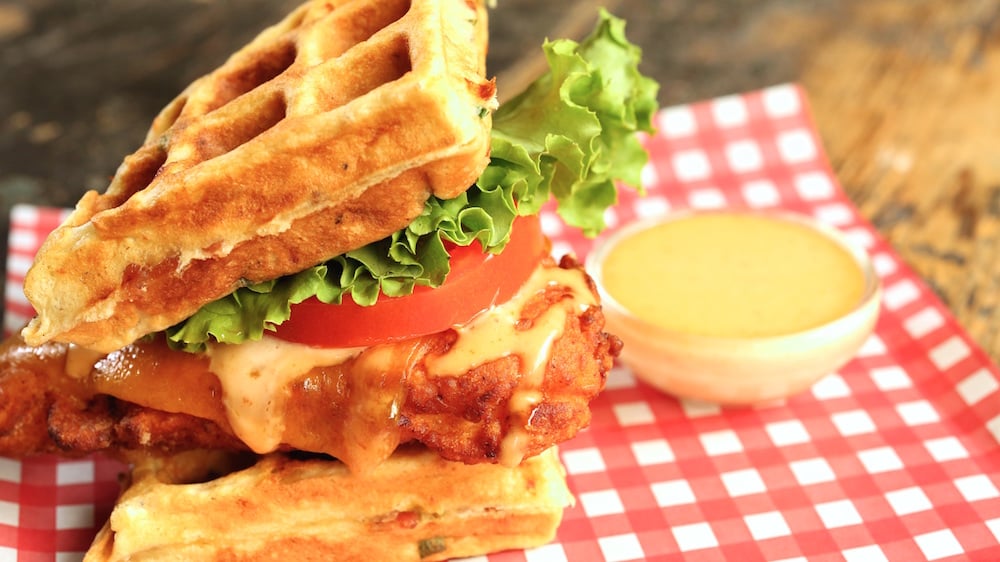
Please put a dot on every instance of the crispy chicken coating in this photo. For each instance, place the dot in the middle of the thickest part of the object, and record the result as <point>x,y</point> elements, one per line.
<point>155,399</point>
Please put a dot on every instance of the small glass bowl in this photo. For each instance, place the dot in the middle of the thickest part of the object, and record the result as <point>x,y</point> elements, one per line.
<point>737,371</point>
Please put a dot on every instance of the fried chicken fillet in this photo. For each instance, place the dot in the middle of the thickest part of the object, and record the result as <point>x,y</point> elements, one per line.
<point>356,406</point>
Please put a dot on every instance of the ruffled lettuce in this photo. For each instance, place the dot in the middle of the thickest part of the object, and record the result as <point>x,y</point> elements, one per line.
<point>570,135</point>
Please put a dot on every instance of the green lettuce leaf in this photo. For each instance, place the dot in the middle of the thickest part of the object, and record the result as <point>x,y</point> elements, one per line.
<point>571,135</point>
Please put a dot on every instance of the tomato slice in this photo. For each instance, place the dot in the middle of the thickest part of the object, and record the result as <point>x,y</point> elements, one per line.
<point>477,281</point>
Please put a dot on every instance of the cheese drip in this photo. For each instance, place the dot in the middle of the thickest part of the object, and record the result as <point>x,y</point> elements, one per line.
<point>255,377</point>
<point>80,361</point>
<point>500,333</point>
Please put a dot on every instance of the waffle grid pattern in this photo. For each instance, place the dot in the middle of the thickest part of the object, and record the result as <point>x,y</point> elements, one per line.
<point>893,457</point>
<point>346,113</point>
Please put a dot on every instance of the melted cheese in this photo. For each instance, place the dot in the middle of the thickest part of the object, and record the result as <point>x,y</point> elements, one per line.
<point>80,361</point>
<point>255,377</point>
<point>370,433</point>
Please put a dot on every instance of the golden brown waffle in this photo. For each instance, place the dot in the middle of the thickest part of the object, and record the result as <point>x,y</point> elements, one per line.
<point>413,507</point>
<point>326,132</point>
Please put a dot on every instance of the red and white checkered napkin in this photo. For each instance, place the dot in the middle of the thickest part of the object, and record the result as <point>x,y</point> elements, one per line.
<point>894,457</point>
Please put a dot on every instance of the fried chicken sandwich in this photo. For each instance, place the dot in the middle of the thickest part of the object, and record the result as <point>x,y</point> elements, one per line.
<point>317,304</point>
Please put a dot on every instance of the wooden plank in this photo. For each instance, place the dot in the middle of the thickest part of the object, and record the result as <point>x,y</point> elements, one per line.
<point>907,100</point>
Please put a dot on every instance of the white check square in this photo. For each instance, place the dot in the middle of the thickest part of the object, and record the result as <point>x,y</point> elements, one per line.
<point>651,206</point>
<point>939,544</point>
<point>656,451</point>
<point>10,513</point>
<point>74,516</point>
<point>900,294</point>
<point>781,101</point>
<point>695,536</point>
<point>814,185</point>
<point>812,471</point>
<point>870,553</point>
<point>767,525</point>
<point>854,422</point>
<point>830,387</point>
<point>672,492</point>
<point>790,432</point>
<point>721,442</point>
<point>891,378</point>
<point>923,322</point>
<point>633,413</point>
<point>873,347</point>
<point>946,449</point>
<point>796,146</point>
<point>761,193</point>
<point>729,111</point>
<point>840,513</point>
<point>604,502</point>
<point>834,214</point>
<point>699,409</point>
<point>884,264</point>
<point>649,177</point>
<point>546,553</point>
<point>744,156</point>
<point>880,459</point>
<point>976,488</point>
<point>10,470</point>
<point>918,412</point>
<point>584,461</point>
<point>620,548</point>
<point>676,122</point>
<point>908,500</point>
<point>977,386</point>
<point>620,377</point>
<point>75,472</point>
<point>24,240</point>
<point>691,165</point>
<point>949,353</point>
<point>743,482</point>
<point>708,198</point>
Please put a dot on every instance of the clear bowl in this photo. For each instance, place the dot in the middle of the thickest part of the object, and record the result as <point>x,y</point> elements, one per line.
<point>744,371</point>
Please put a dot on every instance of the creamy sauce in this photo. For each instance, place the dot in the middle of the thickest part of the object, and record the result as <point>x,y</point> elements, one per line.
<point>733,275</point>
<point>255,376</point>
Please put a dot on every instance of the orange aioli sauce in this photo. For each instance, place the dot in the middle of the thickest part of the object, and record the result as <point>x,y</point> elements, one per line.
<point>733,275</point>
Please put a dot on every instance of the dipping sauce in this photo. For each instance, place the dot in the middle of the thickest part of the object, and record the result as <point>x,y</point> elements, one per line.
<point>733,275</point>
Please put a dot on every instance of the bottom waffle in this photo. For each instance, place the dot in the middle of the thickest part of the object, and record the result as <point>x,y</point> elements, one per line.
<point>415,506</point>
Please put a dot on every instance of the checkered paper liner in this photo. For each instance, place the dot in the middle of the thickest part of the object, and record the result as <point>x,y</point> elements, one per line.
<point>893,457</point>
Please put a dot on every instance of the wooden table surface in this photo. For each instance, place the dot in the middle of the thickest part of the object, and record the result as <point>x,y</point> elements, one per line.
<point>905,93</point>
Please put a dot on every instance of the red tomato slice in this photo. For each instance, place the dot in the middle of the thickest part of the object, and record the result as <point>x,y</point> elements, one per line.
<point>477,281</point>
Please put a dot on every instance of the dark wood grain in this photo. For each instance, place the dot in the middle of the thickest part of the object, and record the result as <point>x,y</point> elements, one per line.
<point>906,95</point>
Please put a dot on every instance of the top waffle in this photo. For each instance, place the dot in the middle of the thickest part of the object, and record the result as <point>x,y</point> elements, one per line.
<point>325,133</point>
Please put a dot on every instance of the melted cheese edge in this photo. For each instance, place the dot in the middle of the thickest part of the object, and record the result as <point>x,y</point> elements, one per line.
<point>254,375</point>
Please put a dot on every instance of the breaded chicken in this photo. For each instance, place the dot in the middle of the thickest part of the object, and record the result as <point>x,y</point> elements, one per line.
<point>149,397</point>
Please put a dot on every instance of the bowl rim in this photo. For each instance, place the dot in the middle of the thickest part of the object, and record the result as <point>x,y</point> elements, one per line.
<point>604,243</point>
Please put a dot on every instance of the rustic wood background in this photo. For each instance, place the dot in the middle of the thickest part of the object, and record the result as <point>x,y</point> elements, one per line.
<point>906,95</point>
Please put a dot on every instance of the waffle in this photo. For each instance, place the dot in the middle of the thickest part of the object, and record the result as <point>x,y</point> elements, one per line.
<point>325,133</point>
<point>413,507</point>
